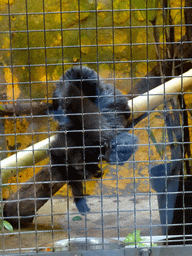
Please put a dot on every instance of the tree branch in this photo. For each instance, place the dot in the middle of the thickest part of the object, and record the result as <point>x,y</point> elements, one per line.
<point>34,108</point>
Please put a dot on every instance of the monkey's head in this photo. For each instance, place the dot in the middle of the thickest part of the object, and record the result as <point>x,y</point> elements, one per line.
<point>120,149</point>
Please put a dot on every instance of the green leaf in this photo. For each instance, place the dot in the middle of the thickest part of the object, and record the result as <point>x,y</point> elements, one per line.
<point>158,147</point>
<point>130,240</point>
<point>149,7</point>
<point>77,218</point>
<point>7,225</point>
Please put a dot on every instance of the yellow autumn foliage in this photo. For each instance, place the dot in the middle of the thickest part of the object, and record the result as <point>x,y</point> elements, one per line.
<point>13,90</point>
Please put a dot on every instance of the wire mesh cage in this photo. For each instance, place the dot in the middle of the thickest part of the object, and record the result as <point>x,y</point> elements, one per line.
<point>95,127</point>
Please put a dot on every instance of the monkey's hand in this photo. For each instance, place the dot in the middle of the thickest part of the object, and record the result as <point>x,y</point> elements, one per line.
<point>82,206</point>
<point>122,148</point>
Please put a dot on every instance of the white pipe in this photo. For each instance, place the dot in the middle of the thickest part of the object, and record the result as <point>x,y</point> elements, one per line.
<point>26,157</point>
<point>164,92</point>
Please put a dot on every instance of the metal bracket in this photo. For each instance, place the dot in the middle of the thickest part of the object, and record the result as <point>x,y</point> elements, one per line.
<point>145,252</point>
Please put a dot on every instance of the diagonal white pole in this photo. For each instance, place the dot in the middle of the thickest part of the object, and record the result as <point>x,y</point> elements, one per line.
<point>24,158</point>
<point>164,92</point>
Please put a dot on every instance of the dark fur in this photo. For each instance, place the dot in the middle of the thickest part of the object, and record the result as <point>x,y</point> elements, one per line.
<point>92,120</point>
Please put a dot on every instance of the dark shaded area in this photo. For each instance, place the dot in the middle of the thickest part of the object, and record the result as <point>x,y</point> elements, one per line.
<point>179,204</point>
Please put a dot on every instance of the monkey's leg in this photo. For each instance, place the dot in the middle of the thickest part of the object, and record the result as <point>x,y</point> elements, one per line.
<point>79,198</point>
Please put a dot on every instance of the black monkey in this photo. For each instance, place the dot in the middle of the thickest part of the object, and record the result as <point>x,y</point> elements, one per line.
<point>93,117</point>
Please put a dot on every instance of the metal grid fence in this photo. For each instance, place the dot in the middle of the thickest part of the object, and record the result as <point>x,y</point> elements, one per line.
<point>89,154</point>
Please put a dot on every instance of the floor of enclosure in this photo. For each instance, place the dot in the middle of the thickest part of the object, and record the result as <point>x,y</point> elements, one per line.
<point>114,217</point>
